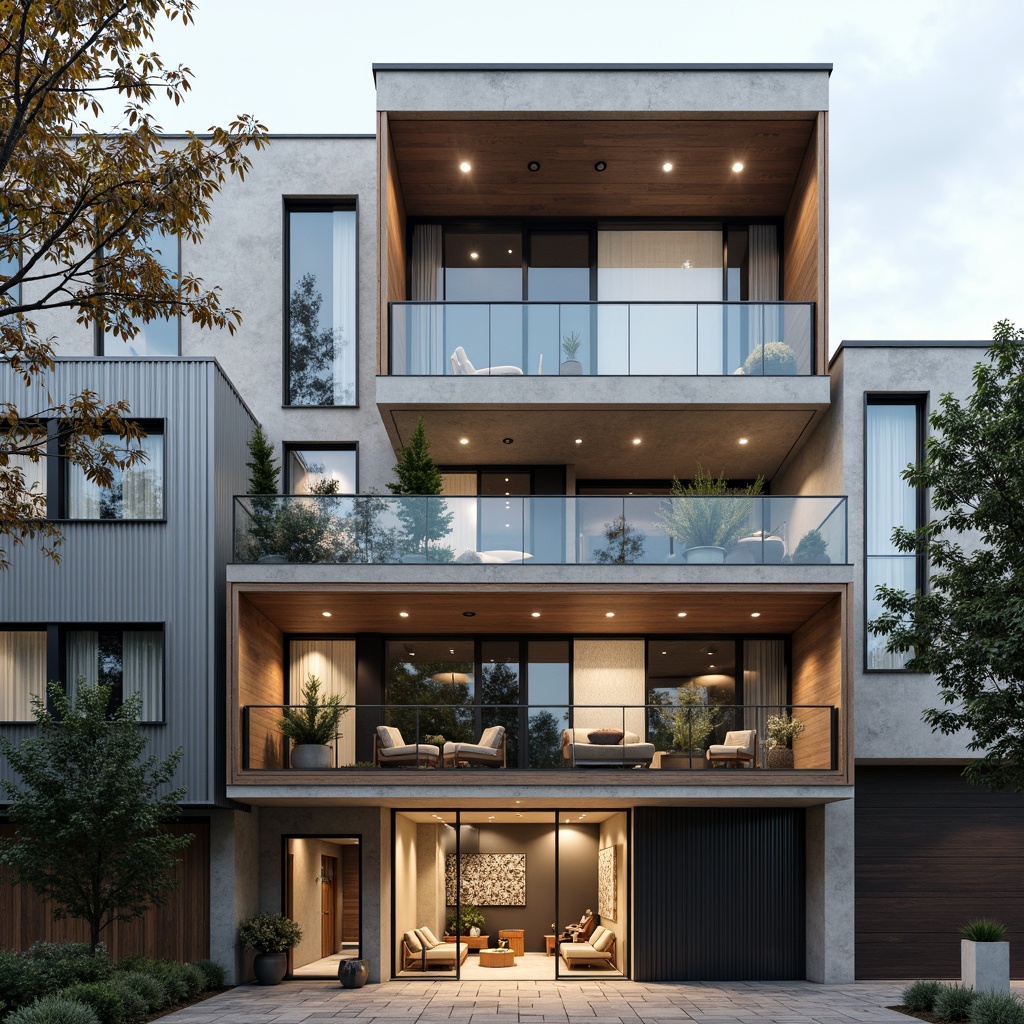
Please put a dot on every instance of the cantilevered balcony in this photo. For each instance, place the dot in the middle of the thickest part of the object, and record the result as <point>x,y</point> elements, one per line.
<point>540,530</point>
<point>626,339</point>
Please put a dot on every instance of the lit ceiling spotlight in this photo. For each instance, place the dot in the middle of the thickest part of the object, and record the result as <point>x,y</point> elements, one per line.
<point>535,615</point>
<point>744,440</point>
<point>533,165</point>
<point>510,252</point>
<point>609,615</point>
<point>738,166</point>
<point>680,615</point>
<point>666,166</point>
<point>474,255</point>
<point>403,615</point>
<point>664,652</point>
<point>636,440</point>
<point>463,440</point>
<point>465,167</point>
<point>600,166</point>
<point>579,440</point>
<point>326,615</point>
<point>755,615</point>
<point>687,265</point>
<point>490,817</point>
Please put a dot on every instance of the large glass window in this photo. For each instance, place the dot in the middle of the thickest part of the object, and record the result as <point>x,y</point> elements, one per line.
<point>321,316</point>
<point>129,661</point>
<point>158,337</point>
<point>893,443</point>
<point>321,470</point>
<point>22,672</point>
<point>548,679</point>
<point>134,493</point>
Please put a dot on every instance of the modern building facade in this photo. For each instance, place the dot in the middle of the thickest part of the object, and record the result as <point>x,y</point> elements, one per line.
<point>584,282</point>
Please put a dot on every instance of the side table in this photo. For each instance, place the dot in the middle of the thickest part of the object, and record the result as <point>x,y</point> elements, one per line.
<point>549,945</point>
<point>516,939</point>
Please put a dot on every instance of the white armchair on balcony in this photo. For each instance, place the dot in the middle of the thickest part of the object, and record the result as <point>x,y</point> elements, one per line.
<point>739,748</point>
<point>462,367</point>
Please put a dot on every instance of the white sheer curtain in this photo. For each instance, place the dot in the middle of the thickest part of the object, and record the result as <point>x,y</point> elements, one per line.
<point>424,336</point>
<point>764,684</point>
<point>22,672</point>
<point>33,474</point>
<point>763,284</point>
<point>343,225</point>
<point>891,501</point>
<point>333,662</point>
<point>142,670</point>
<point>82,658</point>
<point>134,493</point>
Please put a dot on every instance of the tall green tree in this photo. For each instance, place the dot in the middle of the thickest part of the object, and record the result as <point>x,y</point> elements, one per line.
<point>80,205</point>
<point>89,809</point>
<point>967,629</point>
<point>424,521</point>
<point>263,468</point>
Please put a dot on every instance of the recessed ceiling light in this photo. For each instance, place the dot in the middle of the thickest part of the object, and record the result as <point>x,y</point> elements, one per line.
<point>664,652</point>
<point>450,650</point>
<point>533,165</point>
<point>506,440</point>
<point>744,440</point>
<point>535,615</point>
<point>465,167</point>
<point>474,255</point>
<point>326,615</point>
<point>403,615</point>
<point>490,817</point>
<point>600,166</point>
<point>738,166</point>
<point>469,615</point>
<point>755,615</point>
<point>506,479</point>
<point>711,666</point>
<point>636,440</point>
<point>463,440</point>
<point>579,440</point>
<point>681,615</point>
<point>609,615</point>
<point>666,167</point>
<point>510,252</point>
<point>412,654</point>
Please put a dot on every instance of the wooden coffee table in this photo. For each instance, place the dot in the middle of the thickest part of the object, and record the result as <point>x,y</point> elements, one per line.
<point>497,958</point>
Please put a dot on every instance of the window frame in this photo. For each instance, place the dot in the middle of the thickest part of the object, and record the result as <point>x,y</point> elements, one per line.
<point>287,447</point>
<point>919,401</point>
<point>30,627</point>
<point>307,204</point>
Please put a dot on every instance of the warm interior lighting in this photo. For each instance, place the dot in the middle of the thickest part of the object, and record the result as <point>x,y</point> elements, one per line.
<point>755,615</point>
<point>326,615</point>
<point>474,255</point>
<point>403,615</point>
<point>463,440</point>
<point>465,167</point>
<point>609,615</point>
<point>666,167</point>
<point>744,440</point>
<point>738,166</point>
<point>681,615</point>
<point>535,615</point>
<point>579,440</point>
<point>636,440</point>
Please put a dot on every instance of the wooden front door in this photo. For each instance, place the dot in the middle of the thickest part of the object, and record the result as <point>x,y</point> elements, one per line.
<point>328,874</point>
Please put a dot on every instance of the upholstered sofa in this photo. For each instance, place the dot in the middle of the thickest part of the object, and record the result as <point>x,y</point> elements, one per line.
<point>597,951</point>
<point>421,948</point>
<point>605,747</point>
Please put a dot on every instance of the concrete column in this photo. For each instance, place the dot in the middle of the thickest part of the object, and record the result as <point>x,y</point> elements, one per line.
<point>234,885</point>
<point>830,893</point>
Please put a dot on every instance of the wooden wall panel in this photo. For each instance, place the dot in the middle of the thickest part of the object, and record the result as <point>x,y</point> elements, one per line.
<point>802,244</point>
<point>180,930</point>
<point>391,260</point>
<point>350,893</point>
<point>817,679</point>
<point>261,680</point>
<point>932,852</point>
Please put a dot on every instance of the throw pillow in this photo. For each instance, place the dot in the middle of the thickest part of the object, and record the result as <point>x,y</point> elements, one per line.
<point>605,737</point>
<point>603,943</point>
<point>412,940</point>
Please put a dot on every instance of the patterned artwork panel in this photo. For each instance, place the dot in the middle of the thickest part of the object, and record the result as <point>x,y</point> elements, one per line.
<point>606,887</point>
<point>488,879</point>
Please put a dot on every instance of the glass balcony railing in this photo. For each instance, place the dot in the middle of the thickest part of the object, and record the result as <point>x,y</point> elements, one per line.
<point>674,339</point>
<point>539,530</point>
<point>664,736</point>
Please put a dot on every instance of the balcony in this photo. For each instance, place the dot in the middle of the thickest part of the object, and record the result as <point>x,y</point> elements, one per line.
<point>664,737</point>
<point>540,530</point>
<point>625,339</point>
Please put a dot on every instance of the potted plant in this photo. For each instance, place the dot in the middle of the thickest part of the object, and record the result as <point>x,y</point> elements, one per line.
<point>692,720</point>
<point>707,516</point>
<point>312,726</point>
<point>570,346</point>
<point>984,956</point>
<point>270,936</point>
<point>774,359</point>
<point>812,549</point>
<point>468,922</point>
<point>782,730</point>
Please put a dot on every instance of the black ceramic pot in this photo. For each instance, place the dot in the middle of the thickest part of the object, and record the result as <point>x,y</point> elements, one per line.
<point>270,968</point>
<point>353,973</point>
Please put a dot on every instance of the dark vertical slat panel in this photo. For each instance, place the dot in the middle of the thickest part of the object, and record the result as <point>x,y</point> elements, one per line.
<point>932,852</point>
<point>719,894</point>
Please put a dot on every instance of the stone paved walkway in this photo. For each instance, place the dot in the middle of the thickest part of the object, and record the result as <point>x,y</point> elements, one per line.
<point>550,1002</point>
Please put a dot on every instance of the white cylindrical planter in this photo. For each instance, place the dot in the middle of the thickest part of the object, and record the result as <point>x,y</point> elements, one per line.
<point>985,966</point>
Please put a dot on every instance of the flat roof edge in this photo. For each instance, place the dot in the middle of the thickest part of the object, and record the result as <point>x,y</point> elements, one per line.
<point>600,67</point>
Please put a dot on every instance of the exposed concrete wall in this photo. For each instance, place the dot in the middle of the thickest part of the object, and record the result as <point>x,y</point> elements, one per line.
<point>234,887</point>
<point>829,893</point>
<point>606,90</point>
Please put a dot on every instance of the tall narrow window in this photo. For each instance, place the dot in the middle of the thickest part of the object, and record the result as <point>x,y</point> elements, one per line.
<point>22,672</point>
<point>129,661</point>
<point>134,493</point>
<point>893,442</point>
<point>321,318</point>
<point>159,337</point>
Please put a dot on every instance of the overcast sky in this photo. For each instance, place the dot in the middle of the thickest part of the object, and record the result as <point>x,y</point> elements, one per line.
<point>926,124</point>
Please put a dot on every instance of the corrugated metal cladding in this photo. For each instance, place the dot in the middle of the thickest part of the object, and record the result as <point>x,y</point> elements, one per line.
<point>168,572</point>
<point>718,894</point>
